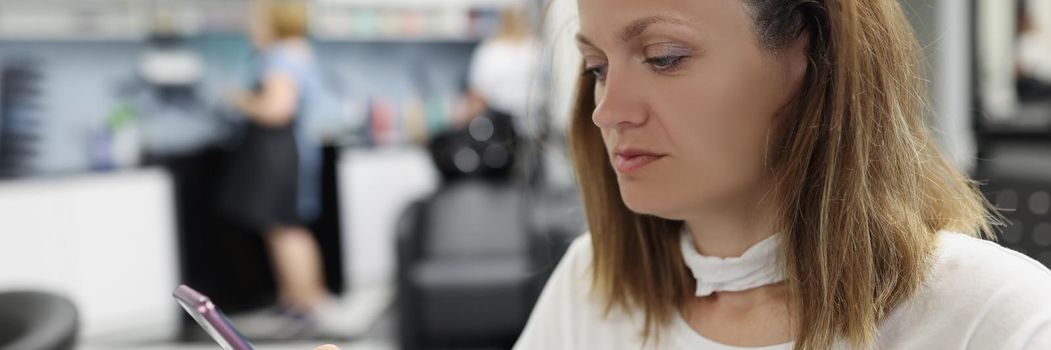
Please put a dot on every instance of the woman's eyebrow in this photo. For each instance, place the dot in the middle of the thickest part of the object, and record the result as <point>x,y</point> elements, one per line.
<point>639,26</point>
<point>636,28</point>
<point>582,40</point>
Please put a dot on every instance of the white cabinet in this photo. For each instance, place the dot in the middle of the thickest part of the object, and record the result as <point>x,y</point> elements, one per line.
<point>376,185</point>
<point>106,241</point>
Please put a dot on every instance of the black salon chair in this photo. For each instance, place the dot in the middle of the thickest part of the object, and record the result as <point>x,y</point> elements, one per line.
<point>36,321</point>
<point>473,256</point>
<point>466,276</point>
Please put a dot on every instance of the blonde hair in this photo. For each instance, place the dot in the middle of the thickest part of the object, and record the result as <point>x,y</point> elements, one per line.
<point>287,18</point>
<point>861,186</point>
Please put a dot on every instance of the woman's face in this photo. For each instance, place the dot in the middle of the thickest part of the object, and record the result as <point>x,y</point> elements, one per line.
<point>685,99</point>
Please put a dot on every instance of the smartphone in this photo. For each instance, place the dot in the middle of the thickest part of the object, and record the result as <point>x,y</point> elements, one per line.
<point>210,318</point>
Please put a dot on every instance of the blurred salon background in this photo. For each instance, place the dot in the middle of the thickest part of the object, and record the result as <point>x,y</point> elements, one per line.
<point>412,154</point>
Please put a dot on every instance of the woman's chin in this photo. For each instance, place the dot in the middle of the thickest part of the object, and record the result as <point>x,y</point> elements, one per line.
<point>646,204</point>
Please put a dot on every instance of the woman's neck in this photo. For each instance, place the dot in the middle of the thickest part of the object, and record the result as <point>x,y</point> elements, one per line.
<point>729,229</point>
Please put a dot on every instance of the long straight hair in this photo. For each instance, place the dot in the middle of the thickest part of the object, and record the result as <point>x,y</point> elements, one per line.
<point>861,187</point>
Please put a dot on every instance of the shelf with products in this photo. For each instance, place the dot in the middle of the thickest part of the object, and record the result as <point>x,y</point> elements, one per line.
<point>195,17</point>
<point>50,20</point>
<point>405,121</point>
<point>332,20</point>
<point>116,20</point>
<point>393,22</point>
<point>384,120</point>
<point>419,3</point>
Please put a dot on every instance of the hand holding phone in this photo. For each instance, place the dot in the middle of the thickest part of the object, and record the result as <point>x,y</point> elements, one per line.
<point>211,319</point>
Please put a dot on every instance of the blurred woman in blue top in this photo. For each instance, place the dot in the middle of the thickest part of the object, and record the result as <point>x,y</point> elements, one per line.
<point>276,179</point>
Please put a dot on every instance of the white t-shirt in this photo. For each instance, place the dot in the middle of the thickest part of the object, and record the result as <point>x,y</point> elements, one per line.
<point>978,296</point>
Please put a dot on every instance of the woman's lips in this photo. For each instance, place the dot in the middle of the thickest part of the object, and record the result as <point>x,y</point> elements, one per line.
<point>629,162</point>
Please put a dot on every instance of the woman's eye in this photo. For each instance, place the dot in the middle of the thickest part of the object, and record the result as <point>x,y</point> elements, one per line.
<point>664,62</point>
<point>599,72</point>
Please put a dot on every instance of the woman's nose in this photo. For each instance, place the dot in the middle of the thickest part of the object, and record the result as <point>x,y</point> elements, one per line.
<point>618,102</point>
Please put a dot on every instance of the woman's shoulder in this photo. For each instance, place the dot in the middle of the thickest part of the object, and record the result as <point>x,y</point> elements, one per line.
<point>977,295</point>
<point>986,264</point>
<point>567,314</point>
<point>579,253</point>
<point>573,273</point>
<point>975,270</point>
<point>296,58</point>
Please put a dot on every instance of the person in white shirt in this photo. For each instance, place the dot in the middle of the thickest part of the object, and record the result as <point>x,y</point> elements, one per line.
<point>758,174</point>
<point>502,72</point>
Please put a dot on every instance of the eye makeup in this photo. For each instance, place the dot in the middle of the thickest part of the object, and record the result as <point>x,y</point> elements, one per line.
<point>595,68</point>
<point>666,57</point>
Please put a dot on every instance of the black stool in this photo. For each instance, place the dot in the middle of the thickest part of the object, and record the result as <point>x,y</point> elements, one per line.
<point>36,321</point>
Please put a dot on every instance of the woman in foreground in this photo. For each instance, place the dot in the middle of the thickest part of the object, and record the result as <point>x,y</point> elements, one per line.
<point>759,174</point>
